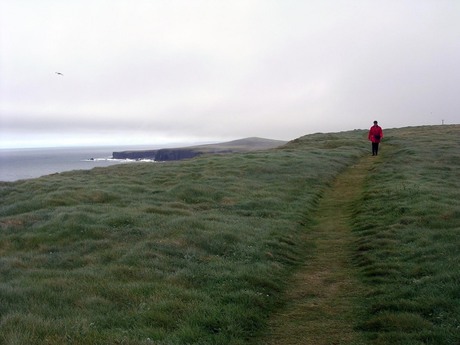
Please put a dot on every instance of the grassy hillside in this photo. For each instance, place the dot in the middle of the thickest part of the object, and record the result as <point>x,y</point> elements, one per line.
<point>243,145</point>
<point>408,238</point>
<point>199,251</point>
<point>188,252</point>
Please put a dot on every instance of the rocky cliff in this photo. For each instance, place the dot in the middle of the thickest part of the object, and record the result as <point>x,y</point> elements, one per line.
<point>150,154</point>
<point>172,154</point>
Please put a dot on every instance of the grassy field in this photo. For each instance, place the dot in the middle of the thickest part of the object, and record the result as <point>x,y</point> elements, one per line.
<point>200,251</point>
<point>192,252</point>
<point>408,238</point>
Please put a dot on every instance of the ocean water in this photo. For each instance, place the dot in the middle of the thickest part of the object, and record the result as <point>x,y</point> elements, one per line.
<point>19,164</point>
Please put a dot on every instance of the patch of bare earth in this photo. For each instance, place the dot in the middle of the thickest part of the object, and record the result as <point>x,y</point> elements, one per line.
<point>324,294</point>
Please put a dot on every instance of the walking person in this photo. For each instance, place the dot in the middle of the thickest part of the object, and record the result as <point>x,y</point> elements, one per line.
<point>375,136</point>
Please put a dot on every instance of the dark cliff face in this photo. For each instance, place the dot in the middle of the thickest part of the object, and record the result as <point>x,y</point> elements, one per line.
<point>150,154</point>
<point>158,155</point>
<point>175,154</point>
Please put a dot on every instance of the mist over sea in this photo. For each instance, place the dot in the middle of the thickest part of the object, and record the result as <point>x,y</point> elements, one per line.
<point>19,164</point>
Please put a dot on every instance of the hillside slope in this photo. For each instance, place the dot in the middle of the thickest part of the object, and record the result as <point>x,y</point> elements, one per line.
<point>189,252</point>
<point>168,154</point>
<point>203,251</point>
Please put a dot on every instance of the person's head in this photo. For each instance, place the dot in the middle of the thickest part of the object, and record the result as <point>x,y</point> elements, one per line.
<point>375,123</point>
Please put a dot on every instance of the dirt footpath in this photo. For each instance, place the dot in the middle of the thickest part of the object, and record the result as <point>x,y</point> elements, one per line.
<point>323,296</point>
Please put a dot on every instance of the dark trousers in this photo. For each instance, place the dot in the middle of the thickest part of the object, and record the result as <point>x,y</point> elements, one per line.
<point>375,149</point>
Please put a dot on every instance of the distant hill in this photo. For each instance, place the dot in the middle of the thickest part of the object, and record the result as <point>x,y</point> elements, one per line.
<point>171,154</point>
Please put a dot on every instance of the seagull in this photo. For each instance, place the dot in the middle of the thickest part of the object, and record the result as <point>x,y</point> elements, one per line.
<point>59,73</point>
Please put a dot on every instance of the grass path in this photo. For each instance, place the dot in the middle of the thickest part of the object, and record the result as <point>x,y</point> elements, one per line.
<point>323,298</point>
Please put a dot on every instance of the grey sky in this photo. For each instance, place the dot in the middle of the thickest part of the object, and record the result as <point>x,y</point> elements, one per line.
<point>153,71</point>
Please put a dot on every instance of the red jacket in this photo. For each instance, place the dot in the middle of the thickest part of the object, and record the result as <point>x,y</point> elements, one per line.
<point>375,134</point>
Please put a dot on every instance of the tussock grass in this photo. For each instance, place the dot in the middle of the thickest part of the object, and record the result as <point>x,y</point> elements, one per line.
<point>408,228</point>
<point>200,251</point>
<point>190,252</point>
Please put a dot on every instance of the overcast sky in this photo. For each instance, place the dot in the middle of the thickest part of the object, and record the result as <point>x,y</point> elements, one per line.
<point>156,71</point>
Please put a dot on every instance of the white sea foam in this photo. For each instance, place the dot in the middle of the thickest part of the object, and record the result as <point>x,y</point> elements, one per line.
<point>116,160</point>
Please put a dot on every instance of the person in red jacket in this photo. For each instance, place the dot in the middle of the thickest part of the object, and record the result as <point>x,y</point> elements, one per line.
<point>375,136</point>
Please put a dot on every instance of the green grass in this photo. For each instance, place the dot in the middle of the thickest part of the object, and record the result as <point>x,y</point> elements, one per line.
<point>408,234</point>
<point>199,251</point>
<point>191,252</point>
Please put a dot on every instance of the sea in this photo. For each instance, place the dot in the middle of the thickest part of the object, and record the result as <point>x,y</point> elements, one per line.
<point>20,164</point>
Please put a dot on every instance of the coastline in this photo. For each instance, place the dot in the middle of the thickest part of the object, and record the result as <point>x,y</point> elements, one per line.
<point>24,164</point>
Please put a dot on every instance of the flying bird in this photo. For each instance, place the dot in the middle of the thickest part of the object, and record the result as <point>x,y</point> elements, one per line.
<point>59,73</point>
